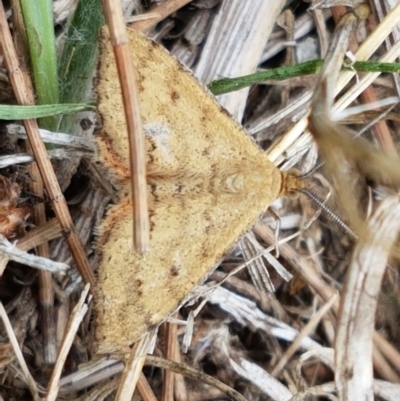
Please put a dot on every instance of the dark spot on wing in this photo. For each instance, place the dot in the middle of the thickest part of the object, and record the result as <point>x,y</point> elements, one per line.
<point>174,96</point>
<point>174,271</point>
<point>206,151</point>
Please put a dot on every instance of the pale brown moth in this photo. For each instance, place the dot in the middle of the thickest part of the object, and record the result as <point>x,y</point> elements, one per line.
<point>208,183</point>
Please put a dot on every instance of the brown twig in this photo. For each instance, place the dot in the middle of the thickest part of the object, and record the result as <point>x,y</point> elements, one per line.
<point>180,391</point>
<point>194,374</point>
<point>307,330</point>
<point>46,232</point>
<point>46,291</point>
<point>144,389</point>
<point>288,25</point>
<point>133,368</point>
<point>171,331</point>
<point>162,11</point>
<point>75,320</point>
<point>141,225</point>
<point>23,94</point>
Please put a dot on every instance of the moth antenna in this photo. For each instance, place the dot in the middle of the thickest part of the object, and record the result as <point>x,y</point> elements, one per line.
<point>311,172</point>
<point>338,220</point>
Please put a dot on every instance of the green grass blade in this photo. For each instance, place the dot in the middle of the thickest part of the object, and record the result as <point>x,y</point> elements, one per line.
<point>39,24</point>
<point>226,85</point>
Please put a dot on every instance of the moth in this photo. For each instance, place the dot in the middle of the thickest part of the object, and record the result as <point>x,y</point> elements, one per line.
<point>208,182</point>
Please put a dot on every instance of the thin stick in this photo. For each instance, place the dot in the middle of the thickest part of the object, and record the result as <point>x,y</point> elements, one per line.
<point>38,262</point>
<point>162,11</point>
<point>47,232</point>
<point>307,330</point>
<point>171,331</point>
<point>75,320</point>
<point>23,93</point>
<point>144,389</point>
<point>17,350</point>
<point>194,374</point>
<point>141,226</point>
<point>133,369</point>
<point>46,290</point>
<point>180,391</point>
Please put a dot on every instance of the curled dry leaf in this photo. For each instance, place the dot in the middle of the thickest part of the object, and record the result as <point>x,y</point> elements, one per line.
<point>12,218</point>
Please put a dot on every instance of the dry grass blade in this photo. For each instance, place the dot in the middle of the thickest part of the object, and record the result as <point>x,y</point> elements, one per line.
<point>133,368</point>
<point>56,138</point>
<point>336,144</point>
<point>23,158</point>
<point>129,90</point>
<point>353,346</point>
<point>75,320</point>
<point>162,11</point>
<point>366,81</point>
<point>365,51</point>
<point>266,382</point>
<point>38,262</point>
<point>236,53</point>
<point>303,267</point>
<point>387,391</point>
<point>90,374</point>
<point>51,230</point>
<point>45,277</point>
<point>299,264</point>
<point>47,232</point>
<point>308,329</point>
<point>17,350</point>
<point>368,95</point>
<point>194,374</point>
<point>24,96</point>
